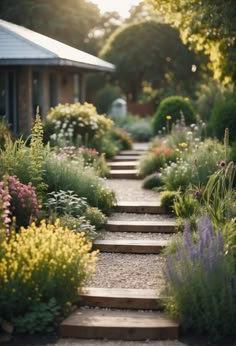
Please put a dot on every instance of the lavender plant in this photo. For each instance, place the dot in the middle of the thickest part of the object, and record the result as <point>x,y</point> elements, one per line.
<point>201,283</point>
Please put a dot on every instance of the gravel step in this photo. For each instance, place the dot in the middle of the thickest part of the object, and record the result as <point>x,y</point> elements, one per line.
<point>124,174</point>
<point>141,226</point>
<point>139,207</point>
<point>130,245</point>
<point>119,325</point>
<point>122,298</point>
<point>122,165</point>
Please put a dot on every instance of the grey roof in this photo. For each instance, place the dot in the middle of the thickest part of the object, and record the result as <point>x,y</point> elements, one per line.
<point>21,46</point>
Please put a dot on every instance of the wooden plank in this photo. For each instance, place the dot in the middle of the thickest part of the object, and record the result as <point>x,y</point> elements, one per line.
<point>130,245</point>
<point>118,325</point>
<point>141,226</point>
<point>125,158</point>
<point>124,174</point>
<point>132,152</point>
<point>139,207</point>
<point>122,165</point>
<point>122,298</point>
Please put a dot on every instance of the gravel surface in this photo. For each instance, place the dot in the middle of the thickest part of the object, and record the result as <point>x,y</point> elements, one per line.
<point>140,217</point>
<point>136,235</point>
<point>131,190</point>
<point>128,271</point>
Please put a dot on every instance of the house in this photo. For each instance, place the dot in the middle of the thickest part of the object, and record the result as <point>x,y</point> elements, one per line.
<point>36,70</point>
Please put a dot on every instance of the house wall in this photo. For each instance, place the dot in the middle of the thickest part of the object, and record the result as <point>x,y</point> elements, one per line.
<point>65,91</point>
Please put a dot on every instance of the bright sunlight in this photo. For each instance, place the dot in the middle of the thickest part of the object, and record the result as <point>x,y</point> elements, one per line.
<point>122,6</point>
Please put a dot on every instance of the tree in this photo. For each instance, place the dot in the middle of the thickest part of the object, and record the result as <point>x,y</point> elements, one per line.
<point>69,21</point>
<point>150,52</point>
<point>207,25</point>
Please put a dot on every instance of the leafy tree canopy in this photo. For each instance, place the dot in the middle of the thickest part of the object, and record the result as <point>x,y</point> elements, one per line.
<point>152,52</point>
<point>207,25</point>
<point>68,21</point>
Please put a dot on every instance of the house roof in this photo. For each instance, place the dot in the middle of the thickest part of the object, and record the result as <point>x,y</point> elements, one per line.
<point>21,46</point>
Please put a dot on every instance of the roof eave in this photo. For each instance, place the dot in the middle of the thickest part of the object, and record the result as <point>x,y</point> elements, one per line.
<point>56,62</point>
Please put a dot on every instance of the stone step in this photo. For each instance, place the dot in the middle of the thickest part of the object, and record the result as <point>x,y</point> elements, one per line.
<point>122,298</point>
<point>119,325</point>
<point>132,152</point>
<point>124,174</point>
<point>139,207</point>
<point>141,226</point>
<point>125,158</point>
<point>136,246</point>
<point>122,165</point>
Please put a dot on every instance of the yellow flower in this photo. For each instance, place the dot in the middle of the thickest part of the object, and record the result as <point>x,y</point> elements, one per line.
<point>183,145</point>
<point>168,117</point>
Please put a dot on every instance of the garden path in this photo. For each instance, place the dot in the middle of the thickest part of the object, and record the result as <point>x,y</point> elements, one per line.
<point>123,299</point>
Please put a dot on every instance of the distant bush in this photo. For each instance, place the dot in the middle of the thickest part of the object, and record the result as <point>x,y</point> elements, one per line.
<point>224,116</point>
<point>174,107</point>
<point>153,180</point>
<point>105,97</point>
<point>122,138</point>
<point>141,131</point>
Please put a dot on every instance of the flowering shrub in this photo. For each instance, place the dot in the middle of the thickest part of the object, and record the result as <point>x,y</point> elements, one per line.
<point>201,283</point>
<point>24,205</point>
<point>5,202</point>
<point>75,123</point>
<point>122,138</point>
<point>40,263</point>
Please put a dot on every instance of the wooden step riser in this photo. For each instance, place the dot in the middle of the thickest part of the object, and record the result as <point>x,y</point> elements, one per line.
<point>119,167</point>
<point>116,175</point>
<point>119,158</point>
<point>140,209</point>
<point>135,249</point>
<point>116,333</point>
<point>141,228</point>
<point>132,152</point>
<point>122,303</point>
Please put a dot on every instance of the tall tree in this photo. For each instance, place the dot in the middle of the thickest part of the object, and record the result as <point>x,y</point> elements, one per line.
<point>150,52</point>
<point>69,21</point>
<point>207,25</point>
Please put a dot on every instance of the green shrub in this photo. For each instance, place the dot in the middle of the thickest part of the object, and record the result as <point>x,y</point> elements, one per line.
<point>77,124</point>
<point>224,116</point>
<point>175,107</point>
<point>185,205</point>
<point>152,181</point>
<point>141,130</point>
<point>95,217</point>
<point>155,159</point>
<point>77,224</point>
<point>106,146</point>
<point>4,131</point>
<point>40,263</point>
<point>105,97</point>
<point>63,174</point>
<point>167,200</point>
<point>122,138</point>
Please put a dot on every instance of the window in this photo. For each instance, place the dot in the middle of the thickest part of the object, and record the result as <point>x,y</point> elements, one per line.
<point>8,97</point>
<point>76,87</point>
<point>52,90</point>
<point>36,92</point>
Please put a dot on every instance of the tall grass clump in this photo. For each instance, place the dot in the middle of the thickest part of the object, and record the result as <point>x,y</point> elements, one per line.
<point>201,283</point>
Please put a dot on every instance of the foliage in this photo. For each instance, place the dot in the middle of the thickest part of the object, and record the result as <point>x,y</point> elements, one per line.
<point>174,107</point>
<point>63,174</point>
<point>155,159</point>
<point>40,318</point>
<point>168,64</point>
<point>106,146</point>
<point>201,283</point>
<point>140,130</point>
<point>185,205</point>
<point>95,217</point>
<point>105,97</point>
<point>224,110</point>
<point>4,131</point>
<point>37,159</point>
<point>5,202</point>
<point>77,123</point>
<point>78,224</point>
<point>207,26</point>
<point>35,262</point>
<point>122,138</point>
<point>153,180</point>
<point>167,200</point>
<point>60,21</point>
<point>229,233</point>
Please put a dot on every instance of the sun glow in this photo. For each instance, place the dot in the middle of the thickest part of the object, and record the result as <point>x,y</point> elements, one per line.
<point>120,6</point>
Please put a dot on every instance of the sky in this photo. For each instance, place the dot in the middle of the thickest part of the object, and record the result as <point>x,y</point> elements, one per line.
<point>120,6</point>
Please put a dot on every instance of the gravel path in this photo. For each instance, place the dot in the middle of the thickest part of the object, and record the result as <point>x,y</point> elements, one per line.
<point>136,235</point>
<point>140,217</point>
<point>128,271</point>
<point>131,190</point>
